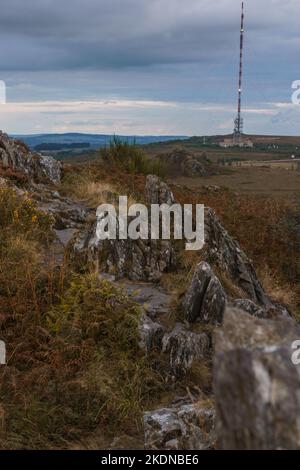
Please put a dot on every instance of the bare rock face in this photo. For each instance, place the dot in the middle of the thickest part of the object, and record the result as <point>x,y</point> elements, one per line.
<point>226,253</point>
<point>256,384</point>
<point>205,299</point>
<point>187,427</point>
<point>184,348</point>
<point>16,155</point>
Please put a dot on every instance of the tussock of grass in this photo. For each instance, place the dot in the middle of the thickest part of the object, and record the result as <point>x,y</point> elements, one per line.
<point>87,188</point>
<point>200,377</point>
<point>279,292</point>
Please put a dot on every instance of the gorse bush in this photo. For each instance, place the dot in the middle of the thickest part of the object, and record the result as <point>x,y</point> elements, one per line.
<point>20,216</point>
<point>131,158</point>
<point>24,233</point>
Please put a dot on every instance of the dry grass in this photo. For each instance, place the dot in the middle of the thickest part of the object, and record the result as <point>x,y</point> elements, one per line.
<point>276,182</point>
<point>88,187</point>
<point>199,377</point>
<point>230,287</point>
<point>266,229</point>
<point>73,360</point>
<point>282,293</point>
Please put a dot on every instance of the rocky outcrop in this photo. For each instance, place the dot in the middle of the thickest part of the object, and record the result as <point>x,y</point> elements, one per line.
<point>224,251</point>
<point>16,155</point>
<point>185,427</point>
<point>256,383</point>
<point>138,260</point>
<point>184,348</point>
<point>182,162</point>
<point>205,298</point>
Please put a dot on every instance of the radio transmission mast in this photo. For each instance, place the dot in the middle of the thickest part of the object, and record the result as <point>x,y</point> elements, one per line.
<point>238,123</point>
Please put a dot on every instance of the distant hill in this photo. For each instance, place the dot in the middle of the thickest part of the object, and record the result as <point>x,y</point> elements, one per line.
<point>91,141</point>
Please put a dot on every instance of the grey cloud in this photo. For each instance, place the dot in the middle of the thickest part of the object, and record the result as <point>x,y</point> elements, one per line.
<point>176,50</point>
<point>99,34</point>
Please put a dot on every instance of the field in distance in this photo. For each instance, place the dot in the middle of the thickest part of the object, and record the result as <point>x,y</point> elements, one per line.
<point>265,148</point>
<point>277,182</point>
<point>266,169</point>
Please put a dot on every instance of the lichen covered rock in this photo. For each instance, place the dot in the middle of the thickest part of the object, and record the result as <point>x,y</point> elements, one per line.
<point>250,307</point>
<point>205,298</point>
<point>184,347</point>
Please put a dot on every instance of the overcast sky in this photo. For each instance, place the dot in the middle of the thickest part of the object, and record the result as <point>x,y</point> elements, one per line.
<point>147,66</point>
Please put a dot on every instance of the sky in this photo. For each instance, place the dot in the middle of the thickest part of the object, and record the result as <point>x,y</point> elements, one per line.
<point>148,67</point>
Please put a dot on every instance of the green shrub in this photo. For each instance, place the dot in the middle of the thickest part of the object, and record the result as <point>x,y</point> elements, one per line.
<point>131,158</point>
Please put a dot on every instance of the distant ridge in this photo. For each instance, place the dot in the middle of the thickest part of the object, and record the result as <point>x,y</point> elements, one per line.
<point>94,140</point>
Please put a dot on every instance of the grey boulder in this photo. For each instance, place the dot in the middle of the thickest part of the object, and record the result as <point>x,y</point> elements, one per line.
<point>184,347</point>
<point>205,298</point>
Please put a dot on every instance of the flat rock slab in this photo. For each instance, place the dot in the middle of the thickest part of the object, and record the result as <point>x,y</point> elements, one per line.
<point>155,300</point>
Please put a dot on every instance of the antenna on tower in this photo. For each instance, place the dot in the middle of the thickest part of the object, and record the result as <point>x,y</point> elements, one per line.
<point>239,123</point>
